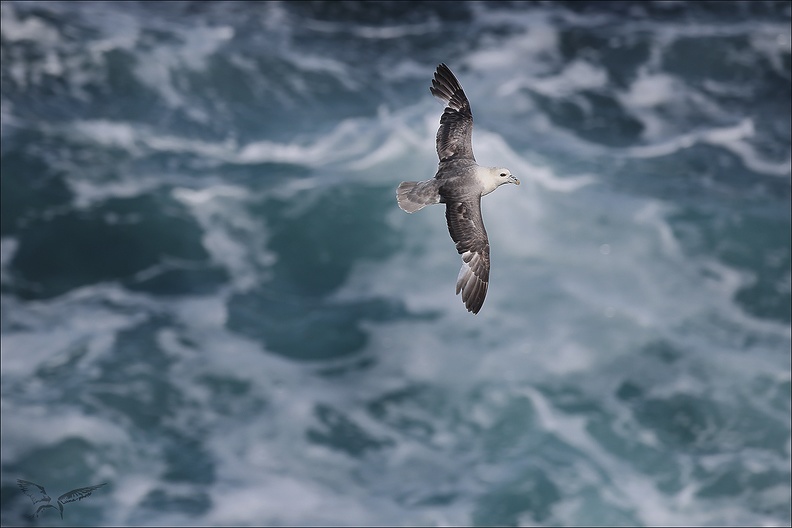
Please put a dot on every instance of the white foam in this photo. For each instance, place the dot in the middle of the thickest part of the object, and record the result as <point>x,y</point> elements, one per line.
<point>341,144</point>
<point>108,133</point>
<point>654,214</point>
<point>156,70</point>
<point>221,211</point>
<point>732,138</point>
<point>749,156</point>
<point>382,32</point>
<point>36,426</point>
<point>576,76</point>
<point>533,47</point>
<point>650,90</point>
<point>401,138</point>
<point>491,146</point>
<point>32,28</point>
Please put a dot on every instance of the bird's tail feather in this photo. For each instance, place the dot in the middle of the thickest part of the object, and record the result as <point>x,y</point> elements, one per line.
<point>413,196</point>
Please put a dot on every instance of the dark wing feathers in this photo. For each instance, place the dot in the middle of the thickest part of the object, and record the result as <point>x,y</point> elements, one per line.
<point>467,229</point>
<point>78,494</point>
<point>456,123</point>
<point>36,495</point>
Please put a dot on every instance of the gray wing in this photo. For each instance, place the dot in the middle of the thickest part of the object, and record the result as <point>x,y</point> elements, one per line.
<point>467,229</point>
<point>79,493</point>
<point>36,495</point>
<point>456,123</point>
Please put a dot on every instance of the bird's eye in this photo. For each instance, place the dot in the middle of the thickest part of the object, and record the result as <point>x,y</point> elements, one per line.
<point>503,174</point>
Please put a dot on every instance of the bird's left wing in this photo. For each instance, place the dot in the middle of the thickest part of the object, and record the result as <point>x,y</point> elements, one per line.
<point>467,229</point>
<point>454,137</point>
<point>34,491</point>
<point>79,493</point>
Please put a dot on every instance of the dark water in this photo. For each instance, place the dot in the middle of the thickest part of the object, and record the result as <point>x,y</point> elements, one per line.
<point>211,301</point>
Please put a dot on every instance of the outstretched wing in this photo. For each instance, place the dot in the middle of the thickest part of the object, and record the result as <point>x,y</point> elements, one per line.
<point>79,493</point>
<point>34,491</point>
<point>467,229</point>
<point>456,123</point>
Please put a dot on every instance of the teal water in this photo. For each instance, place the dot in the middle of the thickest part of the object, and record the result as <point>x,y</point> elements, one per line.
<point>211,301</point>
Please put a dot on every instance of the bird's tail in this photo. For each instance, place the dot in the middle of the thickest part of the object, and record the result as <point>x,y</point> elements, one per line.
<point>413,196</point>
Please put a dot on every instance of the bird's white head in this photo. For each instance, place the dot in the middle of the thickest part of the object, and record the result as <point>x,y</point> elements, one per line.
<point>504,176</point>
<point>493,177</point>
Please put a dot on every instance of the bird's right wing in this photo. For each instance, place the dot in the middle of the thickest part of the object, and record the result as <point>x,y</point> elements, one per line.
<point>454,137</point>
<point>79,493</point>
<point>36,495</point>
<point>467,229</point>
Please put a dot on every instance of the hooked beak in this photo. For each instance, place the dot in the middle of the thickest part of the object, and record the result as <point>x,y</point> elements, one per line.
<point>513,179</point>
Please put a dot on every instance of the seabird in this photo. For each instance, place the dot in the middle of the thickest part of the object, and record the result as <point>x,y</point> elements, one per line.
<point>41,495</point>
<point>459,183</point>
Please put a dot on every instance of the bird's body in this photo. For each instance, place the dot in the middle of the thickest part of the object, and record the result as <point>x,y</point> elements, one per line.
<point>459,183</point>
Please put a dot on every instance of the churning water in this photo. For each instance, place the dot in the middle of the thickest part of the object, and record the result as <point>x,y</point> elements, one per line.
<point>211,301</point>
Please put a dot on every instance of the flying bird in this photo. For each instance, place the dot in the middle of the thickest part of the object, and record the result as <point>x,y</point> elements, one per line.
<point>459,183</point>
<point>40,495</point>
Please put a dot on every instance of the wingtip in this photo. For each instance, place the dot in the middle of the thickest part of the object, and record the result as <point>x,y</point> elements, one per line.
<point>475,304</point>
<point>473,298</point>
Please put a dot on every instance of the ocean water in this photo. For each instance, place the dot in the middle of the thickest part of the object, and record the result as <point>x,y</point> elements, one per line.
<point>211,301</point>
